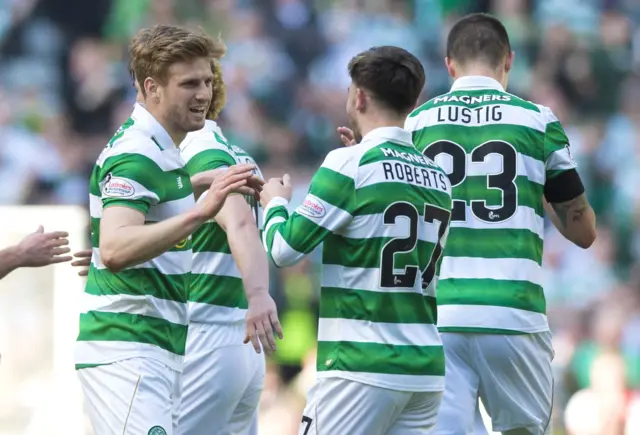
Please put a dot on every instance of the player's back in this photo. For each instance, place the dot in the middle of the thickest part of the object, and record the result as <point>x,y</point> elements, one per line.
<point>377,322</point>
<point>498,150</point>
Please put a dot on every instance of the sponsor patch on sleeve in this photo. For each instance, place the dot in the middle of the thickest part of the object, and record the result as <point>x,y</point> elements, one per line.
<point>117,187</point>
<point>312,207</point>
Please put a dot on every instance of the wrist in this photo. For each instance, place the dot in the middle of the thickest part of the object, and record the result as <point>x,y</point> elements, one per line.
<point>195,217</point>
<point>15,257</point>
<point>256,293</point>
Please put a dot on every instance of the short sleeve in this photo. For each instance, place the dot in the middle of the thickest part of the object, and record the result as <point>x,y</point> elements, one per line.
<point>131,180</point>
<point>207,151</point>
<point>557,150</point>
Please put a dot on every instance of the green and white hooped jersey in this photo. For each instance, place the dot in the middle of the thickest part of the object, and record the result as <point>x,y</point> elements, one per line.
<point>498,151</point>
<point>140,311</point>
<point>217,294</point>
<point>381,211</point>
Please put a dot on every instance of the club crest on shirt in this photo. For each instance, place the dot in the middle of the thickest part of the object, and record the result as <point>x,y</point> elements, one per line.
<point>117,187</point>
<point>157,430</point>
<point>311,207</point>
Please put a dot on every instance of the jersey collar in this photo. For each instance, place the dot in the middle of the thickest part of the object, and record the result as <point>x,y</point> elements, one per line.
<point>393,134</point>
<point>146,120</point>
<point>469,83</point>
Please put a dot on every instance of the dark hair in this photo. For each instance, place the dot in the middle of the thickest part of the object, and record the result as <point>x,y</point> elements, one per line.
<point>478,37</point>
<point>392,75</point>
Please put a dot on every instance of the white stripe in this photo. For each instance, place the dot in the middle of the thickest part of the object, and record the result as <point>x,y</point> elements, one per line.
<point>203,140</point>
<point>560,160</point>
<point>282,253</point>
<point>364,331</point>
<point>421,383</point>
<point>139,192</point>
<point>272,222</point>
<point>525,218</point>
<point>138,142</point>
<point>208,313</point>
<point>372,225</point>
<point>512,269</point>
<point>104,352</point>
<point>511,115</point>
<point>420,176</point>
<point>475,316</point>
<point>95,206</point>
<point>360,278</point>
<point>167,263</point>
<point>215,263</point>
<point>144,305</point>
<point>169,209</point>
<point>332,219</point>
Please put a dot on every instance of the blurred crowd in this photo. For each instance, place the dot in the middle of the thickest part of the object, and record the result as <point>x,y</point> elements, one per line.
<point>65,88</point>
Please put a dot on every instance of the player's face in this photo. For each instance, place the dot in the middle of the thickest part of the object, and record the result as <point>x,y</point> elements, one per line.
<point>186,97</point>
<point>352,110</point>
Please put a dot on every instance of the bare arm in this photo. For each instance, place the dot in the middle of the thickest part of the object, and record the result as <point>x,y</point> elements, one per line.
<point>9,260</point>
<point>236,219</point>
<point>575,219</point>
<point>126,241</point>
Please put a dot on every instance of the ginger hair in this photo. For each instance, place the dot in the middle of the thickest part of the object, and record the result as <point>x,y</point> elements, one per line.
<point>155,49</point>
<point>219,90</point>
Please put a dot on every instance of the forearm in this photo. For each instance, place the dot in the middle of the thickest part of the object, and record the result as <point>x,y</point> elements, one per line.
<point>131,245</point>
<point>576,220</point>
<point>276,218</point>
<point>10,260</point>
<point>244,241</point>
<point>553,217</point>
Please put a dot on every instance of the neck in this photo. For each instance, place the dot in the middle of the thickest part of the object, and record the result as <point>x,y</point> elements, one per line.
<point>482,70</point>
<point>370,123</point>
<point>176,136</point>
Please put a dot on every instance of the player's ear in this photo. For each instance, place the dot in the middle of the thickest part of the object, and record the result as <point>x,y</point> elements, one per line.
<point>509,62</point>
<point>360,99</point>
<point>451,69</point>
<point>152,89</point>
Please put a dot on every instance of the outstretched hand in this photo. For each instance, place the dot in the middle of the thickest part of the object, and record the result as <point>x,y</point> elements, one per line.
<point>202,181</point>
<point>276,187</point>
<point>42,249</point>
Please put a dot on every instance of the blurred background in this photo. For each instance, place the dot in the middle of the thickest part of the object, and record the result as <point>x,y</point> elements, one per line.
<point>64,90</point>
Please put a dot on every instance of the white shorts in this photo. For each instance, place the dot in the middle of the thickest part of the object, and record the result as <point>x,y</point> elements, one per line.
<point>510,373</point>
<point>137,396</point>
<point>342,407</point>
<point>221,387</point>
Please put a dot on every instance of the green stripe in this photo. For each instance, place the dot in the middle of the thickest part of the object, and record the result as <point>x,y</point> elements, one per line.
<point>380,307</point>
<point>209,159</point>
<point>335,188</point>
<point>475,188</point>
<point>138,282</point>
<point>348,252</point>
<point>146,172</point>
<point>301,233</point>
<point>226,291</point>
<point>380,358</point>
<point>527,141</point>
<point>523,295</point>
<point>210,237</point>
<point>493,243</point>
<point>555,139</point>
<point>102,326</point>
<point>512,101</point>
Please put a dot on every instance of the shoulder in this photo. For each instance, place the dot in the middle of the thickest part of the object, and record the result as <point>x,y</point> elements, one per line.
<point>132,141</point>
<point>208,138</point>
<point>345,160</point>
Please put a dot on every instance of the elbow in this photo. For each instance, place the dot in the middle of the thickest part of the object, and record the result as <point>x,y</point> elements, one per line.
<point>586,238</point>
<point>111,258</point>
